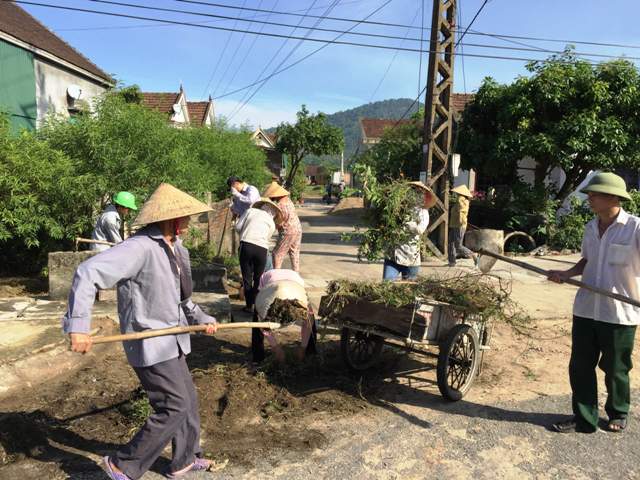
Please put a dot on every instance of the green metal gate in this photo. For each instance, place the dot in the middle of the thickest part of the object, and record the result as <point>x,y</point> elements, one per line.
<point>18,86</point>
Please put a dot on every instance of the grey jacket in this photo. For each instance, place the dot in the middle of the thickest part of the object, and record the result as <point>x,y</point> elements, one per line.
<point>151,294</point>
<point>107,228</point>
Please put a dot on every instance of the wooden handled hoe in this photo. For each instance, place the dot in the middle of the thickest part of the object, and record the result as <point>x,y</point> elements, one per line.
<point>489,256</point>
<point>176,330</point>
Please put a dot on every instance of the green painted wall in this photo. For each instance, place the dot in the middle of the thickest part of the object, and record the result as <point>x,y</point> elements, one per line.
<point>17,86</point>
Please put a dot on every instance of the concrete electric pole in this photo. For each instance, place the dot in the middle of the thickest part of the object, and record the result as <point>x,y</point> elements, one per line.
<point>436,148</point>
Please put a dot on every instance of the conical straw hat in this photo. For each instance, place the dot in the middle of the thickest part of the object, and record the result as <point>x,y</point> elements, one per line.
<point>274,190</point>
<point>166,203</point>
<point>462,190</point>
<point>431,197</point>
<point>276,209</point>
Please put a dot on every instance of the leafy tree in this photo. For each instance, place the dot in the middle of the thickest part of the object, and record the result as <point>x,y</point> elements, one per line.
<point>126,146</point>
<point>568,114</point>
<point>53,182</point>
<point>43,205</point>
<point>311,134</point>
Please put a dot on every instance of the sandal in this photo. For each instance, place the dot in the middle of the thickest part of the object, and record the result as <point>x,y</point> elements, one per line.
<point>200,465</point>
<point>111,472</point>
<point>570,426</point>
<point>617,425</point>
<point>565,426</point>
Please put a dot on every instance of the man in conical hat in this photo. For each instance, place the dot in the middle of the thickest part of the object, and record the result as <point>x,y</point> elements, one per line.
<point>153,274</point>
<point>458,215</point>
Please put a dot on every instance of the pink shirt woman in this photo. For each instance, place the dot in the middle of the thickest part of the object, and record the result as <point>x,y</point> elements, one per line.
<point>290,229</point>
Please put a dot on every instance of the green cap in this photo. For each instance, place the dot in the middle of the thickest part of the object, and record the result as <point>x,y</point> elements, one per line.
<point>125,199</point>
<point>609,183</point>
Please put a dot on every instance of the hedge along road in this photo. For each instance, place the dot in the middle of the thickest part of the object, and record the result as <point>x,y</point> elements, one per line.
<point>498,431</point>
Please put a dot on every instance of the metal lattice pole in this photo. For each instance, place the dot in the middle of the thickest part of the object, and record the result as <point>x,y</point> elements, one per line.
<point>438,116</point>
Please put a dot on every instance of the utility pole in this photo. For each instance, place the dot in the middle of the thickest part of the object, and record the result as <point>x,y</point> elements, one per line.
<point>436,147</point>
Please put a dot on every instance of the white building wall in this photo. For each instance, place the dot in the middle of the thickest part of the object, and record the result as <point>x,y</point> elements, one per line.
<point>51,89</point>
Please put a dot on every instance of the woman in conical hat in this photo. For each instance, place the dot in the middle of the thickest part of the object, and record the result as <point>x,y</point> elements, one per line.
<point>404,260</point>
<point>153,274</point>
<point>290,229</point>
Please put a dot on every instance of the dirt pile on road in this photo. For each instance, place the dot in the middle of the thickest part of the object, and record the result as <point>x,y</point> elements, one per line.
<point>349,206</point>
<point>246,412</point>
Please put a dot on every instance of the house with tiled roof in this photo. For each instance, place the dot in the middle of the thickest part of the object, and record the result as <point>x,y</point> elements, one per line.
<point>267,143</point>
<point>41,74</point>
<point>201,113</point>
<point>178,110</point>
<point>372,129</point>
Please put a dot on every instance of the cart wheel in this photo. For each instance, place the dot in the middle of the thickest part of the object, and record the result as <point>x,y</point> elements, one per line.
<point>457,362</point>
<point>360,350</point>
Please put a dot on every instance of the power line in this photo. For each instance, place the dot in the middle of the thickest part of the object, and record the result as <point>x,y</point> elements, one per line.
<point>246,55</point>
<point>421,44</point>
<point>247,94</point>
<point>387,24</point>
<point>372,35</point>
<point>425,87</point>
<point>293,50</point>
<point>472,22</point>
<point>395,55</point>
<point>219,62</point>
<point>152,25</point>
<point>317,40</point>
<point>464,73</point>
<point>233,56</point>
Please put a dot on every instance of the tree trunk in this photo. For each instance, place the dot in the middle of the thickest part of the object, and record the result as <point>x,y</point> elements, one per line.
<point>574,177</point>
<point>540,173</point>
<point>292,172</point>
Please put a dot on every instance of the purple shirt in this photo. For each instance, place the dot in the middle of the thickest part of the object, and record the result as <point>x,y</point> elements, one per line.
<point>244,199</point>
<point>147,274</point>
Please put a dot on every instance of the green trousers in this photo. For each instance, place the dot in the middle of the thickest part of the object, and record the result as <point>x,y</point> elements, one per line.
<point>609,347</point>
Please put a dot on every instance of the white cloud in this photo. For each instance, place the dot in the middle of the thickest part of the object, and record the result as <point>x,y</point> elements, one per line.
<point>255,114</point>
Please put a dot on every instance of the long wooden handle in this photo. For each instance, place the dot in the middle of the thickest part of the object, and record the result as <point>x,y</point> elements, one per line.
<point>571,281</point>
<point>175,330</point>
<point>91,240</point>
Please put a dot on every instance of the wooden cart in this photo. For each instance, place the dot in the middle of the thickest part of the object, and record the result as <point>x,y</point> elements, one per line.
<point>462,337</point>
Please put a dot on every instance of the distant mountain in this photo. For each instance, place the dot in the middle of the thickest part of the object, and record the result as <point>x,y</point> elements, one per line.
<point>347,120</point>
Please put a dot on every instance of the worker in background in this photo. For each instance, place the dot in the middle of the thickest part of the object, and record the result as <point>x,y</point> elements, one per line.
<point>404,260</point>
<point>256,226</point>
<point>109,222</point>
<point>458,224</point>
<point>153,274</point>
<point>244,195</point>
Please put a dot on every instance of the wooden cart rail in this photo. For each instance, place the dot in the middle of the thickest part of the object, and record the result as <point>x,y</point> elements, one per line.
<point>460,335</point>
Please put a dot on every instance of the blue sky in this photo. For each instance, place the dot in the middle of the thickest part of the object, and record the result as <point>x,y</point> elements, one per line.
<point>159,57</point>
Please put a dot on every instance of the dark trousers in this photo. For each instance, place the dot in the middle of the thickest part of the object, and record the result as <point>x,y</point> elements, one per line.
<point>175,419</point>
<point>456,247</point>
<point>608,346</point>
<point>257,341</point>
<point>252,262</point>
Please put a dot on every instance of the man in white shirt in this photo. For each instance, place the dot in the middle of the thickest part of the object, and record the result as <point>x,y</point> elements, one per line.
<point>256,226</point>
<point>244,195</point>
<point>603,328</point>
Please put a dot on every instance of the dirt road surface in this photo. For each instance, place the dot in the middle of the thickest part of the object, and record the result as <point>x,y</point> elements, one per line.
<point>317,421</point>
